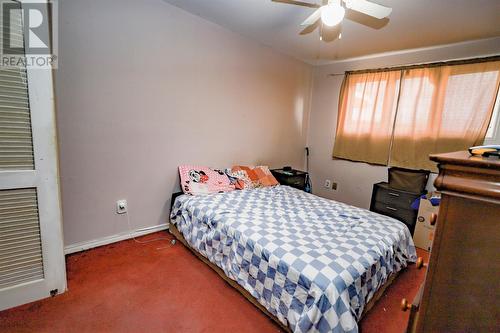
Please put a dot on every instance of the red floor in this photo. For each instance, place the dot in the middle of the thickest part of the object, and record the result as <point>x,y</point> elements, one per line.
<point>157,287</point>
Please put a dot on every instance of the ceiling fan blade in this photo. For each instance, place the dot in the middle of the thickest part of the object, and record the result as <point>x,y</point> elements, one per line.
<point>368,8</point>
<point>298,3</point>
<point>310,28</point>
<point>312,18</point>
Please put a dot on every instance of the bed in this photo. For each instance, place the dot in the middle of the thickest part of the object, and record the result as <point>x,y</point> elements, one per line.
<point>312,264</point>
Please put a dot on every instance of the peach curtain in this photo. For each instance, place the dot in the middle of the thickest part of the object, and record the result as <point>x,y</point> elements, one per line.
<point>443,109</point>
<point>367,108</point>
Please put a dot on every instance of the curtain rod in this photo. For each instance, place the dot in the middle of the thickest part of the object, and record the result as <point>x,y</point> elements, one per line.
<point>424,65</point>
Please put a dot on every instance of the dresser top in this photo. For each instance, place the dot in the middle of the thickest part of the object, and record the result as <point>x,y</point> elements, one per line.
<point>466,159</point>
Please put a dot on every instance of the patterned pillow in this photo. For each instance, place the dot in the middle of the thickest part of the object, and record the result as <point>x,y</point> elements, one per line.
<point>203,180</point>
<point>252,177</point>
<point>239,177</point>
<point>264,176</point>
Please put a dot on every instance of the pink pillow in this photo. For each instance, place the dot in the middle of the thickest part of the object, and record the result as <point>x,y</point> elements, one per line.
<point>203,180</point>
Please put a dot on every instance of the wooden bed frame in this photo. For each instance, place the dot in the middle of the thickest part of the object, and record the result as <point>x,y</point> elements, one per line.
<point>176,233</point>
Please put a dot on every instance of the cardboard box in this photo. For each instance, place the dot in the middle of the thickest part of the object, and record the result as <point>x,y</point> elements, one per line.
<point>424,231</point>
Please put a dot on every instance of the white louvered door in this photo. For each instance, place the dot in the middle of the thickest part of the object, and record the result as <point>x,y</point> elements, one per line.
<point>31,247</point>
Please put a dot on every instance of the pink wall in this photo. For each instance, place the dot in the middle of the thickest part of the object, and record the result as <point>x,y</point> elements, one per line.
<point>143,87</point>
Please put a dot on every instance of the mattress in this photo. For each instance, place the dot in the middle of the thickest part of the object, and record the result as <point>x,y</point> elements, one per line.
<point>313,263</point>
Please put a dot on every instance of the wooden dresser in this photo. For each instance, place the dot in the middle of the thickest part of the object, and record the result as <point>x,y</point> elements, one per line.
<point>461,292</point>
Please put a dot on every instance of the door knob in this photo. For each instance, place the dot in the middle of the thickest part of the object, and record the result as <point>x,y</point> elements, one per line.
<point>405,305</point>
<point>433,219</point>
<point>420,263</point>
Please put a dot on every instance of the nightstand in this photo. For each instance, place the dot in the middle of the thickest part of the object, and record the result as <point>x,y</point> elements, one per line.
<point>293,178</point>
<point>395,203</point>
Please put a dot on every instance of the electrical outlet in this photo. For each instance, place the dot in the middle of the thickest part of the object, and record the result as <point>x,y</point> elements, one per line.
<point>334,186</point>
<point>121,206</point>
<point>328,183</point>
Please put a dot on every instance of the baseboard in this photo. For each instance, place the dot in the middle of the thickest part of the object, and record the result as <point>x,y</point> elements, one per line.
<point>82,246</point>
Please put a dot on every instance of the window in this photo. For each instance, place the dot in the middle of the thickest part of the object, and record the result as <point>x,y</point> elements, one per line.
<point>368,105</point>
<point>369,102</point>
<point>400,117</point>
<point>493,132</point>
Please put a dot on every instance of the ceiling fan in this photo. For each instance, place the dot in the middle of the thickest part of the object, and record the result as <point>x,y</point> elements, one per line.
<point>331,12</point>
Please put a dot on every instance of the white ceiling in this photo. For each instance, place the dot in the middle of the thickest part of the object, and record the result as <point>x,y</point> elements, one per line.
<point>412,24</point>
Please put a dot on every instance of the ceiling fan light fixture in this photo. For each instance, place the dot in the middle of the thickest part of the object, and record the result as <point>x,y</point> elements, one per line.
<point>332,14</point>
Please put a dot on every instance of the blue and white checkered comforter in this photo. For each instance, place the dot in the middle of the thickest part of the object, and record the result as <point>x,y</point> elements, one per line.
<point>313,263</point>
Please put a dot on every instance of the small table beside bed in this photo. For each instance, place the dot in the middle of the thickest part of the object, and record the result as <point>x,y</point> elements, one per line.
<point>309,263</point>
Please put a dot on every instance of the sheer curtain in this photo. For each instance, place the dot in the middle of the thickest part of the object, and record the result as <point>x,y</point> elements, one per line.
<point>367,108</point>
<point>443,109</point>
